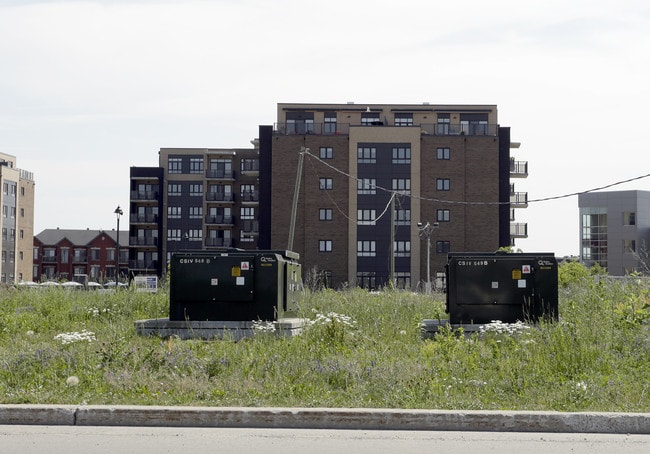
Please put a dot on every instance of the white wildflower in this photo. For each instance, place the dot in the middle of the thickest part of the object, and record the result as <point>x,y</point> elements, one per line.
<point>70,338</point>
<point>72,381</point>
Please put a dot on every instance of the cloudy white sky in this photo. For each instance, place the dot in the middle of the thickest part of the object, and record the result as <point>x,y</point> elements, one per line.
<point>91,88</point>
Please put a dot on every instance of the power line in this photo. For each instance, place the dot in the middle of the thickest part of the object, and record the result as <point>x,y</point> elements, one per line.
<point>457,202</point>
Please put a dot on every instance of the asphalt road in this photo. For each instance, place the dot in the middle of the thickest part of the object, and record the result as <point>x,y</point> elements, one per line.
<point>26,439</point>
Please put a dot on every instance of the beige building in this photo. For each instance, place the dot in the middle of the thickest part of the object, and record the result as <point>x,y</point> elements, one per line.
<point>17,201</point>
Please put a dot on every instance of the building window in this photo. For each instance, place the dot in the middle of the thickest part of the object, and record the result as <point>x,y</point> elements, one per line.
<point>247,212</point>
<point>443,153</point>
<point>22,212</point>
<point>403,119</point>
<point>196,189</point>
<point>195,235</point>
<point>442,128</point>
<point>442,184</point>
<point>367,186</point>
<point>366,249</point>
<point>94,254</point>
<point>173,235</point>
<point>22,234</point>
<point>403,280</point>
<point>401,155</point>
<point>366,217</point>
<point>370,119</point>
<point>174,165</point>
<point>325,183</point>
<point>248,193</point>
<point>403,217</point>
<point>325,245</point>
<point>367,280</point>
<point>330,123</point>
<point>326,153</point>
<point>366,155</point>
<point>442,247</point>
<point>629,218</point>
<point>325,214</point>
<point>629,246</point>
<point>250,165</point>
<point>5,211</point>
<point>174,212</point>
<point>402,185</point>
<point>196,165</point>
<point>174,189</point>
<point>442,215</point>
<point>402,248</point>
<point>220,168</point>
<point>196,212</point>
<point>593,236</point>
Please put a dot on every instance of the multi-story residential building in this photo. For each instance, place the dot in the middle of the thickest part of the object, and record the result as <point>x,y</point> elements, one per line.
<point>17,200</point>
<point>63,254</point>
<point>371,173</point>
<point>145,221</point>
<point>615,230</point>
<point>197,199</point>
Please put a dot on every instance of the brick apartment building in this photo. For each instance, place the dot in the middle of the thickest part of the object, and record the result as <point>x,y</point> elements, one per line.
<point>17,200</point>
<point>370,174</point>
<point>196,199</point>
<point>66,254</point>
<point>447,165</point>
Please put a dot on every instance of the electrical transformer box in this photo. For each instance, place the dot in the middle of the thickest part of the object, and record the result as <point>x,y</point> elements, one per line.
<point>482,287</point>
<point>234,285</point>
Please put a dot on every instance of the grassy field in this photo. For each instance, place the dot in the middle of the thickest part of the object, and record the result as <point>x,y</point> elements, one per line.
<point>361,350</point>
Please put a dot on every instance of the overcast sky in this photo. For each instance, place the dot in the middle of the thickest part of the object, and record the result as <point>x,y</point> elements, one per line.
<point>90,88</point>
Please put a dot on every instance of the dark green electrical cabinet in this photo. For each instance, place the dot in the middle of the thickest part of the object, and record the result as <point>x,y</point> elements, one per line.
<point>482,287</point>
<point>234,285</point>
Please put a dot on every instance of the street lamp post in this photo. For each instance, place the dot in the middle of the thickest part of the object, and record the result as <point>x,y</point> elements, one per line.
<point>425,231</point>
<point>118,212</point>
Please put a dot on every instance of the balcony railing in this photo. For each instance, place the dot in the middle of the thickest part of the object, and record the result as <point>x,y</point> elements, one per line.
<point>219,219</point>
<point>82,258</point>
<point>250,166</point>
<point>143,241</point>
<point>519,199</point>
<point>250,226</point>
<point>518,168</point>
<point>218,242</point>
<point>519,230</point>
<point>147,218</point>
<point>144,195</point>
<point>220,174</point>
<point>219,197</point>
<point>436,129</point>
<point>250,196</point>
<point>143,264</point>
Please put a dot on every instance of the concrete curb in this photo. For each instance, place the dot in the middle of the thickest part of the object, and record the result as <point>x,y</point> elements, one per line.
<point>327,418</point>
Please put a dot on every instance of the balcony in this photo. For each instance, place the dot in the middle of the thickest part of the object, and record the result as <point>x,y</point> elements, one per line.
<point>143,241</point>
<point>219,220</point>
<point>143,264</point>
<point>250,197</point>
<point>250,227</point>
<point>80,258</point>
<point>147,218</point>
<point>519,199</point>
<point>219,197</point>
<point>518,169</point>
<point>144,195</point>
<point>219,174</point>
<point>250,167</point>
<point>436,129</point>
<point>218,242</point>
<point>518,230</point>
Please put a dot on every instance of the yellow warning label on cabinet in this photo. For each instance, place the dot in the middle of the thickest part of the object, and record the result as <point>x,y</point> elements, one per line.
<point>236,271</point>
<point>516,274</point>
